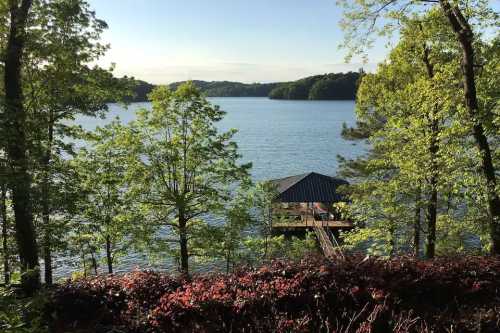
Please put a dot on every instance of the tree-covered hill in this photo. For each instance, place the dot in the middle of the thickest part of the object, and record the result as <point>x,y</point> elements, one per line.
<point>211,89</point>
<point>334,86</point>
<point>141,91</point>
<point>231,89</point>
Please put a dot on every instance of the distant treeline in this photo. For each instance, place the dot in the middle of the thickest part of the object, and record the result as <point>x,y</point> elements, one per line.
<point>231,89</point>
<point>335,86</point>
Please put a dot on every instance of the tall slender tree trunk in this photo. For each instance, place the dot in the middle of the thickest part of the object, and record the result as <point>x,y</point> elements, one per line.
<point>84,264</point>
<point>15,131</point>
<point>183,242</point>
<point>268,229</point>
<point>430,250</point>
<point>465,37</point>
<point>46,195</point>
<point>47,250</point>
<point>94,264</point>
<point>92,258</point>
<point>432,204</point>
<point>109,254</point>
<point>433,184</point>
<point>5,230</point>
<point>416,224</point>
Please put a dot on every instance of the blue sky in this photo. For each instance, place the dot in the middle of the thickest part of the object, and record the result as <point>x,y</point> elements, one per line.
<point>162,41</point>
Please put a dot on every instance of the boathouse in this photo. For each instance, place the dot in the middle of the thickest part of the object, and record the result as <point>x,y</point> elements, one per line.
<point>307,199</point>
<point>306,202</point>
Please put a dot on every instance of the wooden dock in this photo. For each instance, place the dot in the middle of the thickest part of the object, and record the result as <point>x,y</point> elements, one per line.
<point>312,223</point>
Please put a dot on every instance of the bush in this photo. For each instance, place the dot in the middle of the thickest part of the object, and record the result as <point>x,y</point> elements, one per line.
<point>351,295</point>
<point>110,300</point>
<point>21,314</point>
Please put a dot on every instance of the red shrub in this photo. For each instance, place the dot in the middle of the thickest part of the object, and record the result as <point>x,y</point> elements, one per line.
<point>351,295</point>
<point>112,300</point>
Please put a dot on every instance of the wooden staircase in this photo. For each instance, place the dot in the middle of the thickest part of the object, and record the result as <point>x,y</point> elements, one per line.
<point>329,249</point>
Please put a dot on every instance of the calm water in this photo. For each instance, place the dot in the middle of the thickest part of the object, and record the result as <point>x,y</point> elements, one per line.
<point>280,138</point>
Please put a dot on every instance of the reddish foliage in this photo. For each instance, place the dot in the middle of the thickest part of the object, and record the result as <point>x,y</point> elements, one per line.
<point>121,300</point>
<point>351,295</point>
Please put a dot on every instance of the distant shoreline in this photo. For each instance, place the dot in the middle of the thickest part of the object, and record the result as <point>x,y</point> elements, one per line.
<point>326,87</point>
<point>263,97</point>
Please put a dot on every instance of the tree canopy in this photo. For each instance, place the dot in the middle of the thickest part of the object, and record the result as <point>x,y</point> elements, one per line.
<point>319,87</point>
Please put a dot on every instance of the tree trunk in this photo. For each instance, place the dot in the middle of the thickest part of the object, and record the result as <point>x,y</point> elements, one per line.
<point>183,241</point>
<point>433,183</point>
<point>84,265</point>
<point>416,225</point>
<point>5,230</point>
<point>46,195</point>
<point>92,258</point>
<point>268,229</point>
<point>47,251</point>
<point>109,255</point>
<point>465,37</point>
<point>430,250</point>
<point>94,264</point>
<point>431,215</point>
<point>15,131</point>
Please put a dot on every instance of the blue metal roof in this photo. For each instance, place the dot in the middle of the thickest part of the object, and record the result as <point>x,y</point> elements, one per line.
<point>309,187</point>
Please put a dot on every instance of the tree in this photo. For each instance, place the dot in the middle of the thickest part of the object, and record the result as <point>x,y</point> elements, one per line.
<point>419,145</point>
<point>238,218</point>
<point>14,126</point>
<point>362,21</point>
<point>5,233</point>
<point>63,39</point>
<point>225,241</point>
<point>263,196</point>
<point>184,168</point>
<point>104,205</point>
<point>337,86</point>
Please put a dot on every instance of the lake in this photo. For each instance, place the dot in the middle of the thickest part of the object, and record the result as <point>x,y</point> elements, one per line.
<point>280,137</point>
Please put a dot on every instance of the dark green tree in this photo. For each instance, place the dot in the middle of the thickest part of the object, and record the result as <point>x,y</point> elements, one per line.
<point>14,125</point>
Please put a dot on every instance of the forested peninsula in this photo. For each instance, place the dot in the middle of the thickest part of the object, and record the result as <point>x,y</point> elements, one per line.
<point>333,86</point>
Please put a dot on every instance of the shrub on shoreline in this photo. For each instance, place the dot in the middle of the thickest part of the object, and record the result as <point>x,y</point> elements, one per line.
<point>351,295</point>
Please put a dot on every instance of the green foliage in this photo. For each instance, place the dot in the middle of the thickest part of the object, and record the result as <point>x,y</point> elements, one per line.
<point>404,109</point>
<point>225,241</point>
<point>319,87</point>
<point>210,89</point>
<point>328,87</point>
<point>18,315</point>
<point>367,21</point>
<point>258,250</point>
<point>106,212</point>
<point>336,88</point>
<point>181,168</point>
<point>230,89</point>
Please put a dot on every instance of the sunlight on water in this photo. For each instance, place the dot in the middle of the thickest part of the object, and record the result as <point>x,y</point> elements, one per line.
<point>280,138</point>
